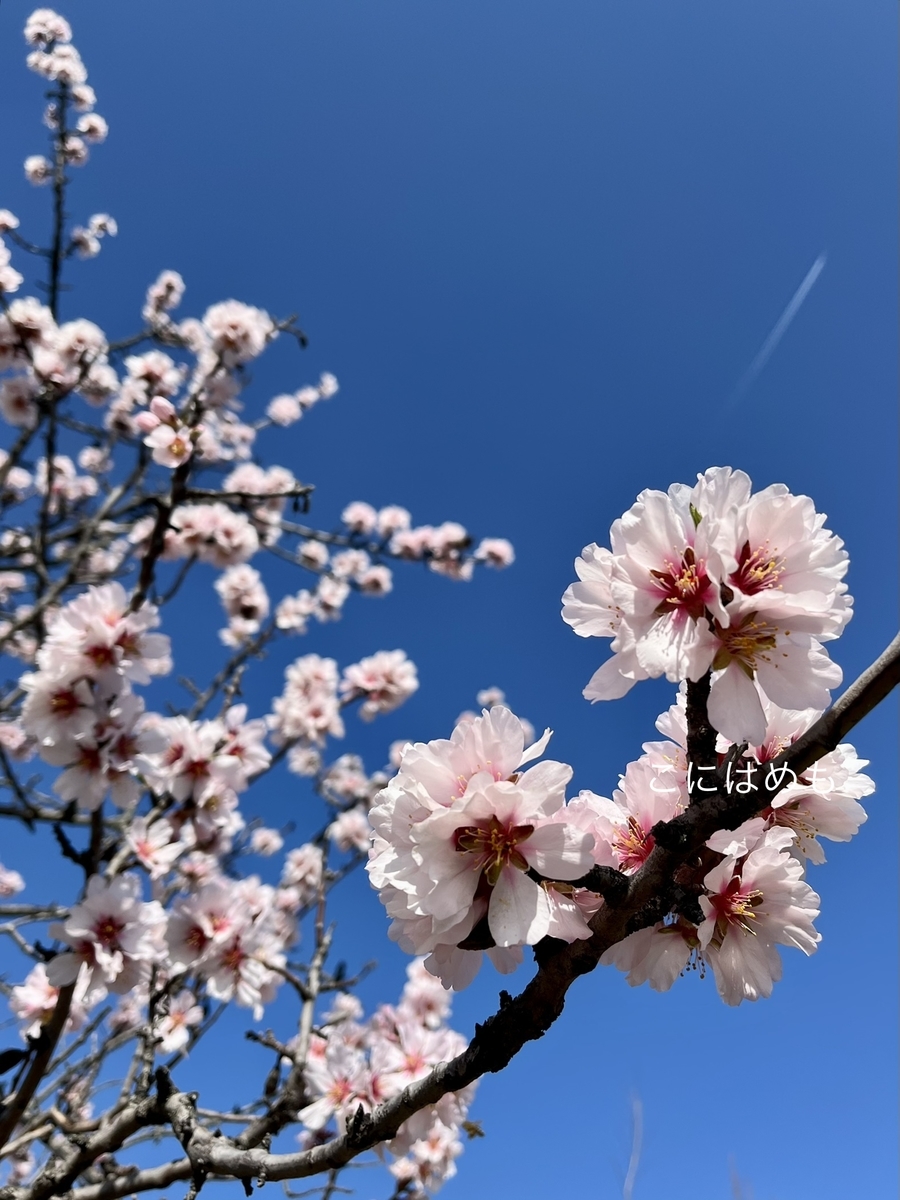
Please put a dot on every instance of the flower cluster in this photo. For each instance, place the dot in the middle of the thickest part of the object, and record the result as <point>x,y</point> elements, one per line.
<point>459,832</point>
<point>309,709</point>
<point>114,938</point>
<point>80,712</point>
<point>288,409</point>
<point>55,59</point>
<point>472,853</point>
<point>444,547</point>
<point>353,1064</point>
<point>715,577</point>
<point>749,882</point>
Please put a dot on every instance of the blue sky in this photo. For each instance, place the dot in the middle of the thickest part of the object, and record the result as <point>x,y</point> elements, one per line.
<point>540,244</point>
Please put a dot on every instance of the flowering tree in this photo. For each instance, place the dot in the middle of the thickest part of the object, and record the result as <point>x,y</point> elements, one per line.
<point>699,858</point>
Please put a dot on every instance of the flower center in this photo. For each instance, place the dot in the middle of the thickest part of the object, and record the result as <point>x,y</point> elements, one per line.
<point>684,585</point>
<point>101,655</point>
<point>64,703</point>
<point>757,569</point>
<point>233,958</point>
<point>107,931</point>
<point>736,908</point>
<point>495,844</point>
<point>746,643</point>
<point>632,845</point>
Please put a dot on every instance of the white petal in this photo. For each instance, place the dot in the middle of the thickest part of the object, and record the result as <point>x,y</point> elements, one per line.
<point>519,910</point>
<point>735,709</point>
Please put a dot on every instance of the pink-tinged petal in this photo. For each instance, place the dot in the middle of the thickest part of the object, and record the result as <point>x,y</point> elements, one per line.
<point>63,969</point>
<point>543,786</point>
<point>519,910</point>
<point>493,742</point>
<point>745,968</point>
<point>536,749</point>
<point>454,890</point>
<point>656,956</point>
<point>567,921</point>
<point>735,843</point>
<point>799,676</point>
<point>505,959</point>
<point>559,851</point>
<point>588,606</point>
<point>608,682</point>
<point>454,967</point>
<point>734,707</point>
<point>676,646</point>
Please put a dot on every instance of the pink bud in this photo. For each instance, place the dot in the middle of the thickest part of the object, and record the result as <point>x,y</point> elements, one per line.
<point>163,409</point>
<point>147,422</point>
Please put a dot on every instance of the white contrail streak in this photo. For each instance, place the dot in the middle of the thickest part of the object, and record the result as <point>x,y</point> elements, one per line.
<point>779,330</point>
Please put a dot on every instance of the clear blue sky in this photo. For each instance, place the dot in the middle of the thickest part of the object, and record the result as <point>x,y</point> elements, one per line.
<point>540,244</point>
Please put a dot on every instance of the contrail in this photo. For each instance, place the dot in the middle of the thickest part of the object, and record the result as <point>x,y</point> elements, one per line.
<point>780,329</point>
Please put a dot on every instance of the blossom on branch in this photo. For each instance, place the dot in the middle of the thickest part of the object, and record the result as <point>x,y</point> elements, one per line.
<point>714,578</point>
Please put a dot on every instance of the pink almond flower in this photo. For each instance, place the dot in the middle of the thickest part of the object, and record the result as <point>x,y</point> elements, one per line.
<point>383,681</point>
<point>97,635</point>
<point>490,840</point>
<point>714,577</point>
<point>440,865</point>
<point>11,882</point>
<point>171,445</point>
<point>57,707</point>
<point>238,332</point>
<point>155,846</point>
<point>339,1080</point>
<point>112,932</point>
<point>787,563</point>
<point>174,1029</point>
<point>791,668</point>
<point>657,955</point>
<point>753,905</point>
<point>34,1002</point>
<point>824,801</point>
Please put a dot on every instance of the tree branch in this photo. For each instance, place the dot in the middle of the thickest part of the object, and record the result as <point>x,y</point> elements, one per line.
<point>529,1015</point>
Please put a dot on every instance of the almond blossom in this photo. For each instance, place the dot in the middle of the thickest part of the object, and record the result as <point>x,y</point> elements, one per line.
<point>113,935</point>
<point>182,1014</point>
<point>754,904</point>
<point>716,578</point>
<point>237,332</point>
<point>34,1002</point>
<point>308,708</point>
<point>383,681</point>
<point>11,882</point>
<point>458,830</point>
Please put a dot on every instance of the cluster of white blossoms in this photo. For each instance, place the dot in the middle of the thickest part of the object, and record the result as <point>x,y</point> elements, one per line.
<point>80,712</point>
<point>442,547</point>
<point>473,854</point>
<point>750,881</point>
<point>227,936</point>
<point>309,708</point>
<point>458,833</point>
<point>55,59</point>
<point>353,1064</point>
<point>715,577</point>
<point>465,838</point>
